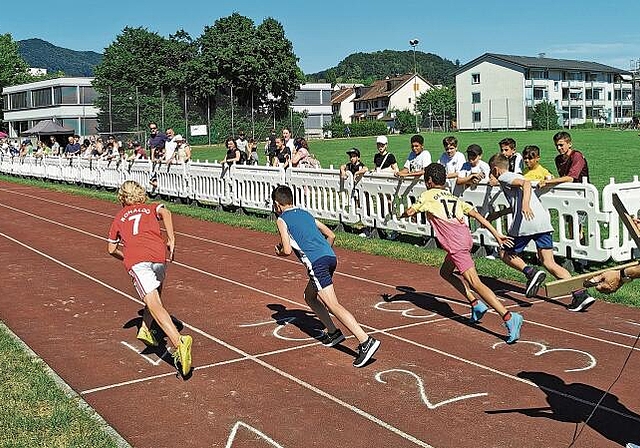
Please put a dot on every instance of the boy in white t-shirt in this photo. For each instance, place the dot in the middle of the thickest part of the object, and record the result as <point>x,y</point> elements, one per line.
<point>531,222</point>
<point>417,161</point>
<point>473,172</point>
<point>452,160</point>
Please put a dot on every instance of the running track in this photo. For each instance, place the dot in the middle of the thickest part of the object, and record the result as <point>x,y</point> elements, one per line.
<point>261,380</point>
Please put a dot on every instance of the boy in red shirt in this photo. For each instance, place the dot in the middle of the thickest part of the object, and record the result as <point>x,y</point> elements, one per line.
<point>445,213</point>
<point>137,229</point>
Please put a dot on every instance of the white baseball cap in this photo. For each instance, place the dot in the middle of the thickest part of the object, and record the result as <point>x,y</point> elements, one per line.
<point>382,139</point>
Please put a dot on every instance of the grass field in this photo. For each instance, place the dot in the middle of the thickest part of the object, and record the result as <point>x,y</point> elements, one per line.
<point>35,412</point>
<point>609,152</point>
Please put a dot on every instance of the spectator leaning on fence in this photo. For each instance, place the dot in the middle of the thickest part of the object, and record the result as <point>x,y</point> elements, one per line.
<point>73,147</point>
<point>417,161</point>
<point>170,145</point>
<point>383,160</point>
<point>233,153</point>
<point>156,142</point>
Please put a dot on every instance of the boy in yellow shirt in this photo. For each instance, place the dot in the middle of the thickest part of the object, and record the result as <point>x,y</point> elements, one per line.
<point>533,169</point>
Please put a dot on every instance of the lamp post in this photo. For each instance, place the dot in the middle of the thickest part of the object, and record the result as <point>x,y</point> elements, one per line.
<point>414,43</point>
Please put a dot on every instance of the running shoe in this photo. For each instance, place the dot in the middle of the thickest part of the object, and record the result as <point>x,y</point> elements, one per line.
<point>331,339</point>
<point>182,355</point>
<point>147,336</point>
<point>534,283</point>
<point>366,351</point>
<point>513,325</point>
<point>581,301</point>
<point>477,311</point>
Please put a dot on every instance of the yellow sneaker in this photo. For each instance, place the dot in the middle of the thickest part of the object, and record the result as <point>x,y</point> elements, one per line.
<point>146,336</point>
<point>183,354</point>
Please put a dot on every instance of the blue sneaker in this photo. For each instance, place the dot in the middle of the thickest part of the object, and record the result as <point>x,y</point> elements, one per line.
<point>513,325</point>
<point>477,311</point>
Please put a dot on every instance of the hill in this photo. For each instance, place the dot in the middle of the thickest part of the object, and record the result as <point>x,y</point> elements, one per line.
<point>42,54</point>
<point>366,67</point>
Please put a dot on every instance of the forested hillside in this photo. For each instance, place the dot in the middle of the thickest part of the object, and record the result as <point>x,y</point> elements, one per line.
<point>42,54</point>
<point>367,67</point>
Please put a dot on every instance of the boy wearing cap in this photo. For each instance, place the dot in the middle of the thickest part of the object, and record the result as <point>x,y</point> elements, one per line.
<point>354,165</point>
<point>384,161</point>
<point>473,172</point>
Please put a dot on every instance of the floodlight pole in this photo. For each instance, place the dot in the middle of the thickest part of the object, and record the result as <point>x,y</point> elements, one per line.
<point>414,43</point>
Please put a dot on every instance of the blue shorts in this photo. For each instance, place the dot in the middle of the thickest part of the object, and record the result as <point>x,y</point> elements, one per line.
<point>321,272</point>
<point>542,240</point>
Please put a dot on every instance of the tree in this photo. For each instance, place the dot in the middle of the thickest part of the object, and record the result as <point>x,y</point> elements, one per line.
<point>405,121</point>
<point>438,102</point>
<point>13,69</point>
<point>545,116</point>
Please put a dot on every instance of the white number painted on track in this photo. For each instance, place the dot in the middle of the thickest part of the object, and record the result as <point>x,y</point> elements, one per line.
<point>263,436</point>
<point>406,312</point>
<point>136,222</point>
<point>421,389</point>
<point>544,349</point>
<point>281,323</point>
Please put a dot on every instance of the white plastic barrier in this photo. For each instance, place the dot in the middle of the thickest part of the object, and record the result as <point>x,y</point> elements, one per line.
<point>323,193</point>
<point>173,180</point>
<point>384,197</point>
<point>209,183</point>
<point>376,199</point>
<point>619,242</point>
<point>253,184</point>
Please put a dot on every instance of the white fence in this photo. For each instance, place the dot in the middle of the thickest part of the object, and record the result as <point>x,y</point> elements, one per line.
<point>587,225</point>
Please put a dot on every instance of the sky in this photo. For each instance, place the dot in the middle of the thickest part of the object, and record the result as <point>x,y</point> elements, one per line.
<point>324,32</point>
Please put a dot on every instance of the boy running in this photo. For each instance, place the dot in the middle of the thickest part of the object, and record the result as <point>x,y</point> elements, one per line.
<point>446,214</point>
<point>136,228</point>
<point>312,243</point>
<point>531,222</point>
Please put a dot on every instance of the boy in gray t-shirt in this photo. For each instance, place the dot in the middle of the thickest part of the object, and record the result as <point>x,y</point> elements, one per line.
<point>531,222</point>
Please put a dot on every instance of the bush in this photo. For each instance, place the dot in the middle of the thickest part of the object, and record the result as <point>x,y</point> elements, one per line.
<point>337,128</point>
<point>544,117</point>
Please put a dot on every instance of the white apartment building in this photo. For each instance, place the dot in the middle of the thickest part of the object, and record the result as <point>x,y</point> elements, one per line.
<point>496,91</point>
<point>67,100</point>
<point>314,100</point>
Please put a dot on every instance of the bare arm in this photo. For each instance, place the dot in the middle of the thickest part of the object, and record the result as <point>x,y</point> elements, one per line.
<point>554,181</point>
<point>502,240</point>
<point>283,248</point>
<point>327,232</point>
<point>114,251</point>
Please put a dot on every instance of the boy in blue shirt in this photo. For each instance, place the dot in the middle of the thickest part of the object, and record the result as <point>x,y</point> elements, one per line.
<point>312,242</point>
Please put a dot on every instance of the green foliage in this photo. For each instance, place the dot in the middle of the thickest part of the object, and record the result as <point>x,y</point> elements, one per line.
<point>42,54</point>
<point>365,67</point>
<point>405,122</point>
<point>438,101</point>
<point>544,117</point>
<point>337,128</point>
<point>13,69</point>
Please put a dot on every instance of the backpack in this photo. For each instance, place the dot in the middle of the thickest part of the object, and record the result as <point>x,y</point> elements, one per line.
<point>310,162</point>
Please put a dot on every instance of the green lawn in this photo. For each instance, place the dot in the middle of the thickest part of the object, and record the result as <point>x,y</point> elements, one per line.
<point>609,152</point>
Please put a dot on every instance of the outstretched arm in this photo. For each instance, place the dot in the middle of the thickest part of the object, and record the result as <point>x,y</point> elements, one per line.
<point>165,215</point>
<point>502,240</point>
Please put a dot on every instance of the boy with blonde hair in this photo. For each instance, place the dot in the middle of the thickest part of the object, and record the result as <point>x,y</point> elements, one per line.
<point>136,229</point>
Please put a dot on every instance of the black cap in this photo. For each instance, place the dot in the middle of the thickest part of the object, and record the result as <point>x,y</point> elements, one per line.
<point>136,144</point>
<point>354,151</point>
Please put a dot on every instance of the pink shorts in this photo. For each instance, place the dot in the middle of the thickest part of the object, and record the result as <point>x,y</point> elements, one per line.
<point>461,260</point>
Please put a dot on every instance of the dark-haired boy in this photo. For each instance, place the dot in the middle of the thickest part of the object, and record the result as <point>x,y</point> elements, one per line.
<point>446,214</point>
<point>312,242</point>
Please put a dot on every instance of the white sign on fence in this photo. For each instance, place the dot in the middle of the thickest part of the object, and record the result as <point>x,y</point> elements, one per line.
<point>198,129</point>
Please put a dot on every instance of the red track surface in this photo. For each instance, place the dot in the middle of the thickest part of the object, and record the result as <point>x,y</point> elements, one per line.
<point>262,380</point>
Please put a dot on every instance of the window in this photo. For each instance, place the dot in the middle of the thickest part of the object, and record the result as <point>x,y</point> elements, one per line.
<point>537,74</point>
<point>556,86</point>
<point>18,100</point>
<point>477,117</point>
<point>5,102</point>
<point>87,95</point>
<point>475,78</point>
<point>475,98</point>
<point>65,95</point>
<point>41,97</point>
<point>539,93</point>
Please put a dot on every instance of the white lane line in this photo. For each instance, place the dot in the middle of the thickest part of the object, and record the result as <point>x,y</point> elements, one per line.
<point>633,336</point>
<point>253,358</point>
<point>147,358</point>
<point>443,353</point>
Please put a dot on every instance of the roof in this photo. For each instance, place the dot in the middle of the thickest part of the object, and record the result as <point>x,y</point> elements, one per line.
<point>338,96</point>
<point>385,88</point>
<point>48,127</point>
<point>543,63</point>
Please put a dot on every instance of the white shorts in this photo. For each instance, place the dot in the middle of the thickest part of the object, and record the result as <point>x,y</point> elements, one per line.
<point>147,277</point>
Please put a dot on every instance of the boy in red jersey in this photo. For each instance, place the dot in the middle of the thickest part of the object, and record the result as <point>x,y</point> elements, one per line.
<point>137,229</point>
<point>445,213</point>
